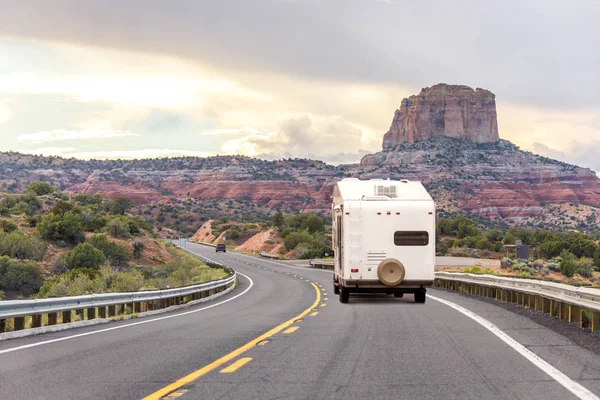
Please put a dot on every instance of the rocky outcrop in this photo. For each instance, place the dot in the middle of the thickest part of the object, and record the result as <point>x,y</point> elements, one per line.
<point>456,111</point>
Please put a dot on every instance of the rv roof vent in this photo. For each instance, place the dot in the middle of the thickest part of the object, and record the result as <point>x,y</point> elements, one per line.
<point>386,190</point>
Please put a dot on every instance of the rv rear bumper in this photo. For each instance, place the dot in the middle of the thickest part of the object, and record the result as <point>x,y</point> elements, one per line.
<point>377,287</point>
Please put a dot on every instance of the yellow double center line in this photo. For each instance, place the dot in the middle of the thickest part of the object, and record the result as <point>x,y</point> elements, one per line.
<point>226,358</point>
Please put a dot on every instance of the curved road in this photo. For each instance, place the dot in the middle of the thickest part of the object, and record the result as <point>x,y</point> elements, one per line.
<point>374,347</point>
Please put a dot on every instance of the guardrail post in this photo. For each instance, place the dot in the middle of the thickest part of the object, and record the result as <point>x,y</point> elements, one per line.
<point>576,315</point>
<point>66,316</point>
<point>2,325</point>
<point>137,307</point>
<point>52,318</point>
<point>19,324</point>
<point>111,311</point>
<point>595,321</point>
<point>36,321</point>
<point>91,313</point>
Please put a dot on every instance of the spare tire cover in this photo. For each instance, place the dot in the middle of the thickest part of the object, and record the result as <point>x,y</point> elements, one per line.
<point>390,272</point>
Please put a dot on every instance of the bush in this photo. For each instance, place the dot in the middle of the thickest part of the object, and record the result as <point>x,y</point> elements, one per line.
<point>17,245</point>
<point>118,227</point>
<point>538,265</point>
<point>553,266</point>
<point>474,270</point>
<point>67,227</point>
<point>568,265</point>
<point>293,239</point>
<point>7,227</point>
<point>85,255</point>
<point>312,224</point>
<point>115,254</point>
<point>506,262</point>
<point>545,271</point>
<point>138,248</point>
<point>24,278</point>
<point>41,188</point>
<point>585,268</point>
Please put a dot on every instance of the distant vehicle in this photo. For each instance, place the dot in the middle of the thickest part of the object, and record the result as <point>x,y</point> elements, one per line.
<point>221,247</point>
<point>383,238</point>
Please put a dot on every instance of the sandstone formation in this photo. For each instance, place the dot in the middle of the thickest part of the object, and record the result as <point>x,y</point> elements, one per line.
<point>445,110</point>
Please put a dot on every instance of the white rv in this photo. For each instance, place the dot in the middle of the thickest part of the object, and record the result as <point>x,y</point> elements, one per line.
<point>383,238</point>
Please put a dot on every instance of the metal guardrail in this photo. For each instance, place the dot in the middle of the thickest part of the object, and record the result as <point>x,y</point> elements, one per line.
<point>574,304</point>
<point>269,255</point>
<point>105,305</point>
<point>323,264</point>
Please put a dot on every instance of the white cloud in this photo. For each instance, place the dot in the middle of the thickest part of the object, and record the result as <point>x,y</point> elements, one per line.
<point>328,138</point>
<point>63,134</point>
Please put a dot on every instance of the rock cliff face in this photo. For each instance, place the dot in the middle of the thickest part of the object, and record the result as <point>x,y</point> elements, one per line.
<point>445,110</point>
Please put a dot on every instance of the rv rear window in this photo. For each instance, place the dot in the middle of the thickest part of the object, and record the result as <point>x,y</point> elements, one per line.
<point>411,238</point>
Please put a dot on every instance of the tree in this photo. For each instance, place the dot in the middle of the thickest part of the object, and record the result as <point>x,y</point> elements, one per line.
<point>138,248</point>
<point>67,227</point>
<point>61,207</point>
<point>278,219</point>
<point>17,245</point>
<point>293,239</point>
<point>25,278</point>
<point>84,255</point>
<point>313,224</point>
<point>120,205</point>
<point>118,227</point>
<point>115,254</point>
<point>568,265</point>
<point>41,188</point>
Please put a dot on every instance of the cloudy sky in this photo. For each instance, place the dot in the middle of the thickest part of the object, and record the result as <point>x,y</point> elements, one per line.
<point>279,78</point>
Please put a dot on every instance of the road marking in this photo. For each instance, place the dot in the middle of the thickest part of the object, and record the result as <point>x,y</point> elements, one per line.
<point>27,346</point>
<point>314,314</point>
<point>291,330</point>
<point>569,384</point>
<point>323,305</point>
<point>228,357</point>
<point>236,365</point>
<point>263,342</point>
<point>325,299</point>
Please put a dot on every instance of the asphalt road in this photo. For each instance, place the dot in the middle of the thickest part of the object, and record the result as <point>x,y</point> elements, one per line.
<point>374,347</point>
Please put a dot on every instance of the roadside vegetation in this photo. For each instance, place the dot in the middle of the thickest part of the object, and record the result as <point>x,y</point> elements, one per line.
<point>553,255</point>
<point>54,244</point>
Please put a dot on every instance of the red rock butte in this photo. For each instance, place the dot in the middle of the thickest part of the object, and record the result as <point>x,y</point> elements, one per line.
<point>456,111</point>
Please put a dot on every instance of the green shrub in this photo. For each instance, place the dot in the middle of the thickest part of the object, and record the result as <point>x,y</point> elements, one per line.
<point>293,239</point>
<point>584,267</point>
<point>474,270</point>
<point>7,227</point>
<point>41,188</point>
<point>506,262</point>
<point>115,254</point>
<point>553,266</point>
<point>138,248</point>
<point>118,227</point>
<point>84,255</point>
<point>538,264</point>
<point>568,265</point>
<point>17,245</point>
<point>24,278</point>
<point>67,227</point>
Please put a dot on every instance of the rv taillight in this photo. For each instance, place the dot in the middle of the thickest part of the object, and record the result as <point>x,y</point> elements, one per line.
<point>430,212</point>
<point>353,270</point>
<point>378,213</point>
<point>347,213</point>
<point>398,213</point>
<point>389,213</point>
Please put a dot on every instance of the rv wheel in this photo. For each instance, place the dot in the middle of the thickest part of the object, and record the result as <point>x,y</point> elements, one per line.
<point>336,288</point>
<point>420,296</point>
<point>344,294</point>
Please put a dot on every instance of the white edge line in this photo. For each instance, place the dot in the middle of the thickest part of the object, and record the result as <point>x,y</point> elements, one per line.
<point>27,346</point>
<point>569,384</point>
